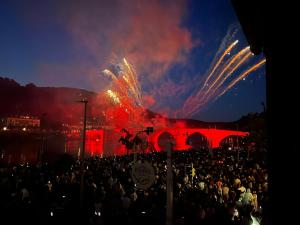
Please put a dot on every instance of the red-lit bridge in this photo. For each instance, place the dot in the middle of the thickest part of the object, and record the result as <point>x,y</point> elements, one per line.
<point>106,141</point>
<point>183,138</point>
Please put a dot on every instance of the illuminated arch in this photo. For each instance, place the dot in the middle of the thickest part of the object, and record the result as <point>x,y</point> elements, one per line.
<point>231,140</point>
<point>197,140</point>
<point>180,136</point>
<point>164,138</point>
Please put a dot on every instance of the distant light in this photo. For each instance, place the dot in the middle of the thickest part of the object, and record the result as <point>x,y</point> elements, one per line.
<point>97,213</point>
<point>24,129</point>
<point>244,78</point>
<point>4,128</point>
<point>51,213</point>
<point>143,212</point>
<point>229,148</point>
<point>63,196</point>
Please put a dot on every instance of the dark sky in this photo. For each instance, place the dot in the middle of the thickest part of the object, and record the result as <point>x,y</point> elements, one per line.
<point>170,44</point>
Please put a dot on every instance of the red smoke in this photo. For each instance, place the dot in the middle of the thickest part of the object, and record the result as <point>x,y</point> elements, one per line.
<point>148,101</point>
<point>148,33</point>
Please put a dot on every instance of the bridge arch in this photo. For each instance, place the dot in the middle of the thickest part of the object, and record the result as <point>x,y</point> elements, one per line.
<point>163,139</point>
<point>180,137</point>
<point>231,141</point>
<point>197,140</point>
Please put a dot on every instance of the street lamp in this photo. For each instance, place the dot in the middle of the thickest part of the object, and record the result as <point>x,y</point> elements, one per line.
<point>169,214</point>
<point>85,101</point>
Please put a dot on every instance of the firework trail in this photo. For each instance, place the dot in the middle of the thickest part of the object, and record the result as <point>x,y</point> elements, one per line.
<point>131,78</point>
<point>208,94</point>
<point>119,85</point>
<point>243,75</point>
<point>196,100</point>
<point>126,83</point>
<point>219,72</point>
<point>219,61</point>
<point>124,95</point>
<point>229,38</point>
<point>126,90</point>
<point>231,61</point>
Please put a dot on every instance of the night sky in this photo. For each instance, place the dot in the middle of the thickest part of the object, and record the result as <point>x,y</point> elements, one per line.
<point>169,43</point>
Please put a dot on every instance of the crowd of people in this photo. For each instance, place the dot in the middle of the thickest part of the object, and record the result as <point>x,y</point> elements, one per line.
<point>223,189</point>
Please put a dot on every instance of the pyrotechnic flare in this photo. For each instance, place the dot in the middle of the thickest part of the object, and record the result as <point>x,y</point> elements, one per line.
<point>219,61</point>
<point>125,94</point>
<point>126,84</point>
<point>201,95</point>
<point>240,62</point>
<point>243,75</point>
<point>217,76</point>
<point>231,61</point>
<point>113,96</point>
<point>133,81</point>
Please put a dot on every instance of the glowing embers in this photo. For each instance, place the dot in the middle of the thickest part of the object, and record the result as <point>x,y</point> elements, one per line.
<point>113,96</point>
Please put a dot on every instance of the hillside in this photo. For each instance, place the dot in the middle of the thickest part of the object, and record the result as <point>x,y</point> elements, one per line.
<point>57,105</point>
<point>51,104</point>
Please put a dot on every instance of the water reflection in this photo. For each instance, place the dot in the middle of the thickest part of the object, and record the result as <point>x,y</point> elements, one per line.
<point>31,147</point>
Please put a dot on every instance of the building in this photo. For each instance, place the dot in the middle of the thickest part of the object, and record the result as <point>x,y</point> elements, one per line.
<point>21,122</point>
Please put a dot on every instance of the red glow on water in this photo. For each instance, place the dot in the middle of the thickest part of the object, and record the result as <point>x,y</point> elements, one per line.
<point>93,145</point>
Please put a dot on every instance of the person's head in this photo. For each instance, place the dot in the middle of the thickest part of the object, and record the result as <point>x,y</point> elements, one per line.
<point>179,185</point>
<point>201,185</point>
<point>133,196</point>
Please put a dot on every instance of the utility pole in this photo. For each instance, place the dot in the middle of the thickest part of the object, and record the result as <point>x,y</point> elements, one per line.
<point>85,101</point>
<point>238,154</point>
<point>169,217</point>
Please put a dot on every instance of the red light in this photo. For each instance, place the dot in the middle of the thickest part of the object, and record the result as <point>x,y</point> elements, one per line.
<point>105,142</point>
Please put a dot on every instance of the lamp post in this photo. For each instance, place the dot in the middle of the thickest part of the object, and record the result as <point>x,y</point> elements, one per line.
<point>169,216</point>
<point>85,101</point>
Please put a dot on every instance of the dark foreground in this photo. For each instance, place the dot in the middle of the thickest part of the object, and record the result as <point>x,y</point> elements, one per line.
<point>223,191</point>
